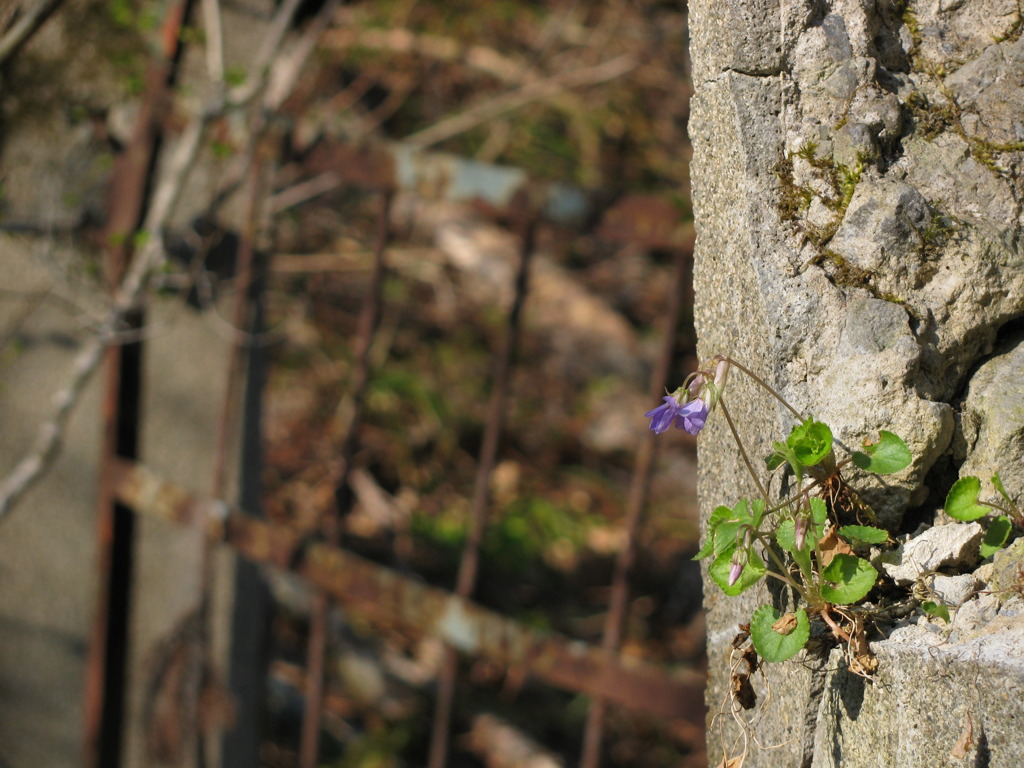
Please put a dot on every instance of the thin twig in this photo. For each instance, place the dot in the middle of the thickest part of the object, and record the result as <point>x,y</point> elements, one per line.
<point>542,89</point>
<point>213,25</point>
<point>149,257</point>
<point>316,649</point>
<point>445,49</point>
<point>25,27</point>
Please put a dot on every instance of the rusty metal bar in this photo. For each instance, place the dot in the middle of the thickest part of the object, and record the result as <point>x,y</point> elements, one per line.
<point>611,639</point>
<point>470,562</point>
<point>316,649</point>
<point>387,598</point>
<point>106,661</point>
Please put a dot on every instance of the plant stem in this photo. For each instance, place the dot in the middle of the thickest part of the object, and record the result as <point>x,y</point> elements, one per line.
<point>743,453</point>
<point>788,582</point>
<point>836,629</point>
<point>783,574</point>
<point>768,389</point>
<point>1011,512</point>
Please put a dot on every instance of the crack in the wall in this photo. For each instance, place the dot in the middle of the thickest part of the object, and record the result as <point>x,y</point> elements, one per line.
<point>812,710</point>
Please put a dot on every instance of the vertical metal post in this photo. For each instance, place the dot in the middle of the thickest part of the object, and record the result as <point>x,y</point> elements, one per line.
<point>470,562</point>
<point>107,657</point>
<point>107,660</point>
<point>611,639</point>
<point>316,649</point>
<point>207,743</point>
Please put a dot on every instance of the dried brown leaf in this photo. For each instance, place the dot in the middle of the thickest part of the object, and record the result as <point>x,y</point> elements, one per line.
<point>743,691</point>
<point>966,741</point>
<point>830,546</point>
<point>786,624</point>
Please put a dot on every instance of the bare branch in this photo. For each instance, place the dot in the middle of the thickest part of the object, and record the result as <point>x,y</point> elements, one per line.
<point>446,49</point>
<point>214,40</point>
<point>542,89</point>
<point>48,440</point>
<point>149,257</point>
<point>25,27</point>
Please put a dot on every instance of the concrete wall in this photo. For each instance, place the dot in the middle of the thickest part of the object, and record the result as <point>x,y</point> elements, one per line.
<point>858,197</point>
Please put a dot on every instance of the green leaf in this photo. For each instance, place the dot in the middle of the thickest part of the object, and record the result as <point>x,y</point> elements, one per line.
<point>708,548</point>
<point>998,483</point>
<point>819,511</point>
<point>936,609</point>
<point>756,512</point>
<point>714,521</point>
<point>775,461</point>
<point>726,536</point>
<point>752,572</point>
<point>775,646</point>
<point>785,534</point>
<point>810,442</point>
<point>962,500</point>
<point>996,535</point>
<point>890,454</point>
<point>865,533</point>
<point>740,512</point>
<point>847,579</point>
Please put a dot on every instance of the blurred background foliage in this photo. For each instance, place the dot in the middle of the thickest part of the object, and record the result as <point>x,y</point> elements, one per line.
<point>397,70</point>
<point>589,94</point>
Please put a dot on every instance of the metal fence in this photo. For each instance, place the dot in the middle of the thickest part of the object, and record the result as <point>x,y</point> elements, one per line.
<point>370,592</point>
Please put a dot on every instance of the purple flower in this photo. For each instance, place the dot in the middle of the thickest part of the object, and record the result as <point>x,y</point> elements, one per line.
<point>689,416</point>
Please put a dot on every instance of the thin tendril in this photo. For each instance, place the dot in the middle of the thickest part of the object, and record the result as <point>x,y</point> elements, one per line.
<point>767,388</point>
<point>743,452</point>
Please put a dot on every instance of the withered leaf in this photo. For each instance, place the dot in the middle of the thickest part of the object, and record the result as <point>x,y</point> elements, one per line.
<point>749,655</point>
<point>864,664</point>
<point>862,661</point>
<point>786,624</point>
<point>743,691</point>
<point>830,546</point>
<point>966,741</point>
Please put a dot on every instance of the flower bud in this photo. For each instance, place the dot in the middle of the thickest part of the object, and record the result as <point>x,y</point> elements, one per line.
<point>695,385</point>
<point>722,373</point>
<point>800,531</point>
<point>739,560</point>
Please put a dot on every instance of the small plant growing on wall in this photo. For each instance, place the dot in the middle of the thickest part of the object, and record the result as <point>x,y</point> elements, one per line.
<point>798,539</point>
<point>964,503</point>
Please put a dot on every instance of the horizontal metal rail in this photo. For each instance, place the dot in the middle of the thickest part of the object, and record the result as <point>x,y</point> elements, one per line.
<point>386,597</point>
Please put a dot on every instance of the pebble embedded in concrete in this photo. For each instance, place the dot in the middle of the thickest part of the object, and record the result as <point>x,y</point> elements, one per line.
<point>943,546</point>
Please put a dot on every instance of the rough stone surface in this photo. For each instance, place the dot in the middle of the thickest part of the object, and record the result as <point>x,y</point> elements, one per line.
<point>944,546</point>
<point>992,423</point>
<point>1006,571</point>
<point>928,687</point>
<point>954,590</point>
<point>857,179</point>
